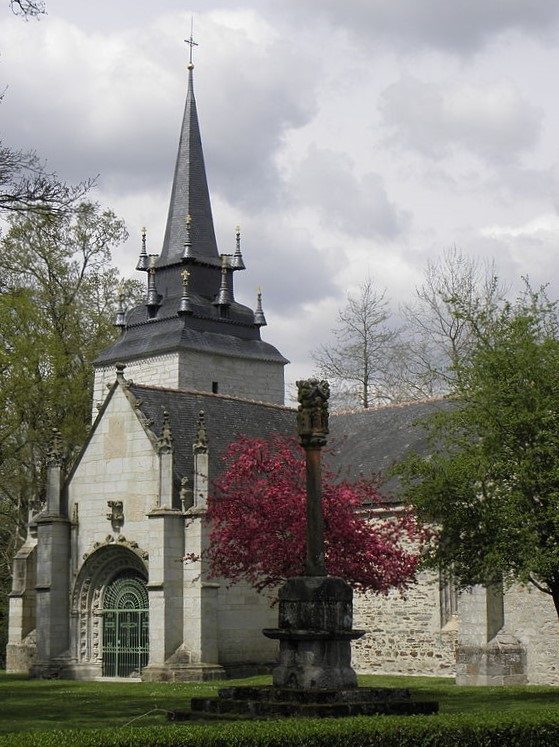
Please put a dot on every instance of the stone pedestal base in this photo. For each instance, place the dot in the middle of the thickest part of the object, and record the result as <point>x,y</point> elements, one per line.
<point>20,657</point>
<point>188,673</point>
<point>315,634</point>
<point>502,661</point>
<point>59,669</point>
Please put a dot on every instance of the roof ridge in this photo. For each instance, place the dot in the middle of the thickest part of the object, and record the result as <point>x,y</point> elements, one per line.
<point>391,405</point>
<point>198,392</point>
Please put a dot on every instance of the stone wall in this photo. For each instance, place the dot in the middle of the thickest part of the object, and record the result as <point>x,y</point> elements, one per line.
<point>253,379</point>
<point>404,634</point>
<point>242,615</point>
<point>530,616</point>
<point>262,381</point>
<point>159,370</point>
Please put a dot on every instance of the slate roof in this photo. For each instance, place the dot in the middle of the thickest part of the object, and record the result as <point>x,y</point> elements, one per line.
<point>361,442</point>
<point>190,194</point>
<point>226,418</point>
<point>165,335</point>
<point>229,331</point>
<point>365,442</point>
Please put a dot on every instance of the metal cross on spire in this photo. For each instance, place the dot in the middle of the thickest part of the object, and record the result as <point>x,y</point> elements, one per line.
<point>191,43</point>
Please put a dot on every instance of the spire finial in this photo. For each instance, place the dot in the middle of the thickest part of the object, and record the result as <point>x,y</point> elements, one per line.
<point>201,443</point>
<point>143,263</point>
<point>188,243</point>
<point>165,440</point>
<point>152,300</point>
<point>237,263</point>
<point>259,318</point>
<point>191,43</point>
<point>120,320</point>
<point>224,296</point>
<point>54,454</point>
<point>185,306</point>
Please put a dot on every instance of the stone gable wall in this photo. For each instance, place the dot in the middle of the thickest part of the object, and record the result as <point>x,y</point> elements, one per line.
<point>404,634</point>
<point>118,464</point>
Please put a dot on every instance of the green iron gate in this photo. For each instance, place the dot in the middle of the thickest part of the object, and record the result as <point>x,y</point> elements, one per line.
<point>125,627</point>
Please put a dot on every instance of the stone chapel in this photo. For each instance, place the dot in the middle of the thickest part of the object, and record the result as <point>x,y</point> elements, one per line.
<point>99,587</point>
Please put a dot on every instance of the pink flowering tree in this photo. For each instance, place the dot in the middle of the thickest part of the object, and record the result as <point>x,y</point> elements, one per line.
<point>257,514</point>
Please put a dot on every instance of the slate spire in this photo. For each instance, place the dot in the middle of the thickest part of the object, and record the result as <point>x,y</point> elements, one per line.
<point>189,195</point>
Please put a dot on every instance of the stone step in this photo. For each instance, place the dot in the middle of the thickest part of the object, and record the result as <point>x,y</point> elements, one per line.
<point>264,709</point>
<point>295,695</point>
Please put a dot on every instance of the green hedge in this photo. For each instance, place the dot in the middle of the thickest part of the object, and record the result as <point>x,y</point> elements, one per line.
<point>493,730</point>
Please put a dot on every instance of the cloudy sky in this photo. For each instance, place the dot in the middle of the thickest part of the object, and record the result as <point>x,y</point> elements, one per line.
<point>347,137</point>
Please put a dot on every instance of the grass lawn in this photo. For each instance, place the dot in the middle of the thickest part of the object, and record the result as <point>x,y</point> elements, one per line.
<point>29,705</point>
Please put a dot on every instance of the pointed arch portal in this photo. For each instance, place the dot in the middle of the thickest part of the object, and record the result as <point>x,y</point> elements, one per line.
<point>125,627</point>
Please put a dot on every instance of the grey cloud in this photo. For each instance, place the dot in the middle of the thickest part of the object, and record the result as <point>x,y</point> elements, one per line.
<point>492,121</point>
<point>283,260</point>
<point>247,107</point>
<point>359,206</point>
<point>121,118</point>
<point>460,26</point>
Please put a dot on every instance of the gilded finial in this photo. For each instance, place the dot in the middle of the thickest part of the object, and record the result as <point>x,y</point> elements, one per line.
<point>185,275</point>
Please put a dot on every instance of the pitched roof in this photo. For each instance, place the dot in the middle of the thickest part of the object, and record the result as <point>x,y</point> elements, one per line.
<point>362,442</point>
<point>365,442</point>
<point>226,418</point>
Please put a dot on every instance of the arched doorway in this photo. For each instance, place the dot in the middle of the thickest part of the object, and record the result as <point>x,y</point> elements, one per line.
<point>125,617</point>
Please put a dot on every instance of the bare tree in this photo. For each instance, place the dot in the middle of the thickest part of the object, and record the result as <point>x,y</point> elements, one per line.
<point>27,186</point>
<point>436,336</point>
<point>356,360</point>
<point>28,8</point>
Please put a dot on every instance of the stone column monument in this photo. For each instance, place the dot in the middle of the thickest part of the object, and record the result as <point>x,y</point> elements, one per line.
<point>315,610</point>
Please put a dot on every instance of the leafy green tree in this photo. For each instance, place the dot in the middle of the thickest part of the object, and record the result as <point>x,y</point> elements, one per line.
<point>491,487</point>
<point>57,306</point>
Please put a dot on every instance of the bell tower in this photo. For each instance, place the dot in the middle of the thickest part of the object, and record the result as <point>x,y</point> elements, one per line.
<point>191,333</point>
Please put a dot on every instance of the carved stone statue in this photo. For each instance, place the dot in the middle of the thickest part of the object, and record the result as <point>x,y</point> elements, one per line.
<point>116,514</point>
<point>312,415</point>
